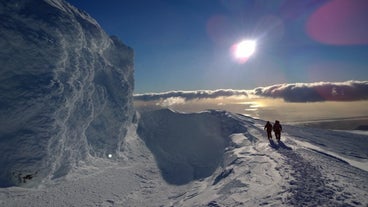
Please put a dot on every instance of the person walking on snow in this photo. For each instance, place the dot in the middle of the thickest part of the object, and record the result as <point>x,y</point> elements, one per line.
<point>268,128</point>
<point>277,128</point>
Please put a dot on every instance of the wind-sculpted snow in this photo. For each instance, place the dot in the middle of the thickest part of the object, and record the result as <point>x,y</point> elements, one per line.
<point>65,90</point>
<point>249,169</point>
<point>187,146</point>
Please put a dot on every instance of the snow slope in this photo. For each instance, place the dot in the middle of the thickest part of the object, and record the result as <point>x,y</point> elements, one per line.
<point>213,158</point>
<point>65,90</point>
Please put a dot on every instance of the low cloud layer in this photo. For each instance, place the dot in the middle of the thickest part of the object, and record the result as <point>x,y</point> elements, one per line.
<point>295,92</point>
<point>190,95</point>
<point>314,92</point>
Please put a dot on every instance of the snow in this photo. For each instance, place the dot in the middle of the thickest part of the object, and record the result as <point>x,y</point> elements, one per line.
<point>251,171</point>
<point>356,132</point>
<point>358,164</point>
<point>65,91</point>
<point>69,135</point>
<point>184,157</point>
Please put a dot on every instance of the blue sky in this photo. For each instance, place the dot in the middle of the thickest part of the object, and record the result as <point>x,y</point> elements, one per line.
<point>185,44</point>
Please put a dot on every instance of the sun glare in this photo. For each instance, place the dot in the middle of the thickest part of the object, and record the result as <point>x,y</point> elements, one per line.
<point>244,49</point>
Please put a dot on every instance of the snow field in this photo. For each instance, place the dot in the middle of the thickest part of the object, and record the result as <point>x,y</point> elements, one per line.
<point>251,171</point>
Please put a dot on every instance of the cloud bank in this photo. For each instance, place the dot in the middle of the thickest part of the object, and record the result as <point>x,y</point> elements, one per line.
<point>314,92</point>
<point>190,95</point>
<point>291,92</point>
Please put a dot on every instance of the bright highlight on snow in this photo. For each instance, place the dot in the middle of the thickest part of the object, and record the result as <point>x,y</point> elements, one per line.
<point>109,155</point>
<point>245,49</point>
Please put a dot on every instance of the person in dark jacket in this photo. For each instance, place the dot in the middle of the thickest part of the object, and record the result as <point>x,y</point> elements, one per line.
<point>268,128</point>
<point>277,128</point>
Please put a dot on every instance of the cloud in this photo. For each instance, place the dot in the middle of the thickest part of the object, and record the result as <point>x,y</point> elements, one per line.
<point>292,92</point>
<point>313,92</point>
<point>190,95</point>
<point>171,101</point>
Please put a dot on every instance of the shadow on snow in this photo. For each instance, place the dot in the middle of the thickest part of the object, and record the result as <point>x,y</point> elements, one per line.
<point>279,144</point>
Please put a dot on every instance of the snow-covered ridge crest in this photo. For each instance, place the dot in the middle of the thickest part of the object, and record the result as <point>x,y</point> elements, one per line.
<point>65,90</point>
<point>225,159</point>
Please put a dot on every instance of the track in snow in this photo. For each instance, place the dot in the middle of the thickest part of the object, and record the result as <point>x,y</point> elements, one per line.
<point>310,185</point>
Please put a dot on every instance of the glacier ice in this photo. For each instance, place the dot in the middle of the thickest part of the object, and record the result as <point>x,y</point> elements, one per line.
<point>65,90</point>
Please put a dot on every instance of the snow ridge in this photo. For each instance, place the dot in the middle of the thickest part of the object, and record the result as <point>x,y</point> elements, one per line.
<point>249,171</point>
<point>253,171</point>
<point>184,157</point>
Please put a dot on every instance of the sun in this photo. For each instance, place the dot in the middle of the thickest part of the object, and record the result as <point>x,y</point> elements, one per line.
<point>244,49</point>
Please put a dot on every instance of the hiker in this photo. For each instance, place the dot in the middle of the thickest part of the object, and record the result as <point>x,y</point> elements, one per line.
<point>277,128</point>
<point>268,128</point>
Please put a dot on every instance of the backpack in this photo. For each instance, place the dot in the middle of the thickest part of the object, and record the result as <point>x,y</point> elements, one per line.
<point>277,127</point>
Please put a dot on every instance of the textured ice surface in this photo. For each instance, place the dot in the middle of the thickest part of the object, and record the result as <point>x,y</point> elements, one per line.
<point>65,90</point>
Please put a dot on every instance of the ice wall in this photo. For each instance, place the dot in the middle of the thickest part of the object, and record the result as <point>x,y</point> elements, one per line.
<point>65,90</point>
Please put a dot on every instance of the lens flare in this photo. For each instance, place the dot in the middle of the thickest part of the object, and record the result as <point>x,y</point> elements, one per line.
<point>243,50</point>
<point>340,22</point>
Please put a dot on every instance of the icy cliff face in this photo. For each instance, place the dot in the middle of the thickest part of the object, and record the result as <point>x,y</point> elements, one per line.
<point>65,90</point>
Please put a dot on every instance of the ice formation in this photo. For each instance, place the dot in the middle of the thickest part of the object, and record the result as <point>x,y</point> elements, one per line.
<point>65,90</point>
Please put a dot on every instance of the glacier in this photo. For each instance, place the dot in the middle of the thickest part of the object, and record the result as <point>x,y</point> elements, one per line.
<point>65,91</point>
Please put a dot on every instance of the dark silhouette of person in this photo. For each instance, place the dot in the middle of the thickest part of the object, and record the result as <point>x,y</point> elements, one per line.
<point>268,128</point>
<point>277,128</point>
